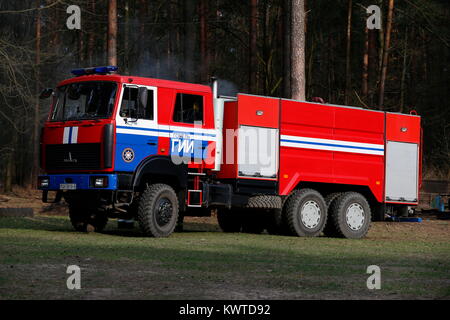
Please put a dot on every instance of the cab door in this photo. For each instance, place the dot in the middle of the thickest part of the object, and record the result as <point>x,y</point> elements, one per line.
<point>192,134</point>
<point>137,132</point>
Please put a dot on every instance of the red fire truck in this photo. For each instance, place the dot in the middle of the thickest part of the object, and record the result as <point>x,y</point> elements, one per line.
<point>156,151</point>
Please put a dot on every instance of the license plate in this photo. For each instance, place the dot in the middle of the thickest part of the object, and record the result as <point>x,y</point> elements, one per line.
<point>68,186</point>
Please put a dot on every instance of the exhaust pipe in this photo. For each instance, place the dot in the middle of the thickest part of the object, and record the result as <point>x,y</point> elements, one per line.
<point>214,85</point>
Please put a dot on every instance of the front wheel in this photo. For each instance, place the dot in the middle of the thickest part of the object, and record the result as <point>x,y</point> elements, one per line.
<point>158,210</point>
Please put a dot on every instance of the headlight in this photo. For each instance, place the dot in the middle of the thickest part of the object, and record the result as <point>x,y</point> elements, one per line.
<point>99,182</point>
<point>44,182</point>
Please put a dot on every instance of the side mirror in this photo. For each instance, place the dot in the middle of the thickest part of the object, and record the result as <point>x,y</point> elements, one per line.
<point>46,93</point>
<point>142,101</point>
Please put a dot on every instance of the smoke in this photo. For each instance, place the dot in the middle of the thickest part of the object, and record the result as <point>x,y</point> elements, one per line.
<point>168,68</point>
<point>227,88</point>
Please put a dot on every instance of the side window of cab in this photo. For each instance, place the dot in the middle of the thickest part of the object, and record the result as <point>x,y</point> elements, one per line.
<point>188,108</point>
<point>129,105</point>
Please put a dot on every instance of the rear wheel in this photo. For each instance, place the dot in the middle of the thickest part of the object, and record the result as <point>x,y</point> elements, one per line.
<point>158,210</point>
<point>351,215</point>
<point>87,219</point>
<point>229,221</point>
<point>306,213</point>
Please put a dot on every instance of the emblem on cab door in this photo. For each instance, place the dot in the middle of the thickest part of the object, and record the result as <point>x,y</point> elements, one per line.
<point>128,155</point>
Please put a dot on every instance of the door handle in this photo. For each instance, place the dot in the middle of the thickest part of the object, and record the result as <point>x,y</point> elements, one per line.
<point>152,143</point>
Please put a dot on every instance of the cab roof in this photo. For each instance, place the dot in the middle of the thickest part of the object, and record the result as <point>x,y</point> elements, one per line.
<point>139,81</point>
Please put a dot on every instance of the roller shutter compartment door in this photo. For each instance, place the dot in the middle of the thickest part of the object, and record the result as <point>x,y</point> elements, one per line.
<point>402,171</point>
<point>258,152</point>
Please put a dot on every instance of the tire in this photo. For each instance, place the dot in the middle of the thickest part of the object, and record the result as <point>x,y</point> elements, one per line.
<point>87,219</point>
<point>351,215</point>
<point>229,221</point>
<point>330,229</point>
<point>158,210</point>
<point>306,213</point>
<point>264,202</point>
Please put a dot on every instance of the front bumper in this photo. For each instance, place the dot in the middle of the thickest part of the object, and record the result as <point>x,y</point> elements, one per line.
<point>57,182</point>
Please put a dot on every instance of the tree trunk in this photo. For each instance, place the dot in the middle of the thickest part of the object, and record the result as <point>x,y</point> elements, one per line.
<point>373,65</point>
<point>142,37</point>
<point>189,40</point>
<point>178,43</point>
<point>204,39</point>
<point>112,32</point>
<point>91,39</point>
<point>348,74</point>
<point>287,48</point>
<point>80,48</point>
<point>170,9</point>
<point>253,62</point>
<point>35,170</point>
<point>365,73</point>
<point>55,38</point>
<point>298,50</point>
<point>402,83</point>
<point>384,64</point>
<point>126,54</point>
<point>8,175</point>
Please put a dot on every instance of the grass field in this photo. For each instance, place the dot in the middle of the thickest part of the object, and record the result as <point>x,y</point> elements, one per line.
<point>204,263</point>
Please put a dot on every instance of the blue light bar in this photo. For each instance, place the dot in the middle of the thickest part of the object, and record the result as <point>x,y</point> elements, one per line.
<point>94,70</point>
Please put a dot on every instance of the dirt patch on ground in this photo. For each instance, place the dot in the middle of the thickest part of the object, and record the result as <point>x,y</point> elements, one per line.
<point>435,224</point>
<point>428,229</point>
<point>24,198</point>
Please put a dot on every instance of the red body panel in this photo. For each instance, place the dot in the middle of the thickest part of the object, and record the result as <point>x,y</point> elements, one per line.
<point>402,128</point>
<point>258,111</point>
<point>336,125</point>
<point>88,132</point>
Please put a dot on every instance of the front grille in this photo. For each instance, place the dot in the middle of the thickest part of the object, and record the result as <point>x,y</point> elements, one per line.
<point>80,156</point>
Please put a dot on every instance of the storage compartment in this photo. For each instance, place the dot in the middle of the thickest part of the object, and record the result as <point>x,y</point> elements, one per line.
<point>251,138</point>
<point>402,172</point>
<point>258,152</point>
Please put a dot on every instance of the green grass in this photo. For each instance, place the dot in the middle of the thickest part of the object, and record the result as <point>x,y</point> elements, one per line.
<point>203,263</point>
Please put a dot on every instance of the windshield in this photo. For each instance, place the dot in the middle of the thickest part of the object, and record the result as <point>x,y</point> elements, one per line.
<point>84,100</point>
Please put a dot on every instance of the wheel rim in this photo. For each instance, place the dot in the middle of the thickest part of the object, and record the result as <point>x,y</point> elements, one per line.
<point>164,212</point>
<point>310,214</point>
<point>355,216</point>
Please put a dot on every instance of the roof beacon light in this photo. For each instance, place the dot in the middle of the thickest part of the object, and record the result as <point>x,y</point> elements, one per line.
<point>94,70</point>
